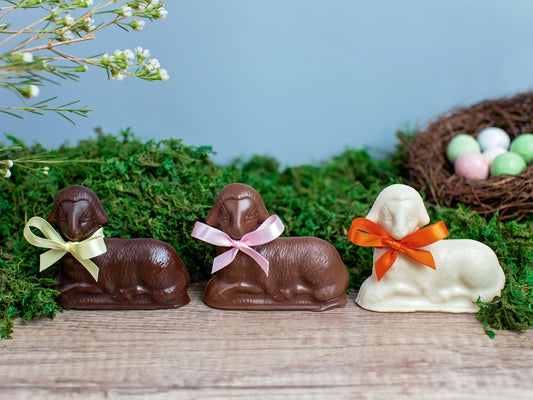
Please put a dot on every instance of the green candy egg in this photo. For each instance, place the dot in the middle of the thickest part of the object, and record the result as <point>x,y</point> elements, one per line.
<point>523,146</point>
<point>460,144</point>
<point>507,164</point>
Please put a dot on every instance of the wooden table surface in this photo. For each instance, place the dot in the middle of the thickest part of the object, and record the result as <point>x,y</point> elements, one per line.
<point>197,352</point>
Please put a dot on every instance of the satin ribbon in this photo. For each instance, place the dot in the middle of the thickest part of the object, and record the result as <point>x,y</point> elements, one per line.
<point>364,232</point>
<point>82,251</point>
<point>266,232</point>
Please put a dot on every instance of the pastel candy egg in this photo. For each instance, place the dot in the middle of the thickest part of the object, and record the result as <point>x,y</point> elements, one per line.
<point>472,166</point>
<point>461,144</point>
<point>507,164</point>
<point>493,137</point>
<point>523,146</point>
<point>492,153</point>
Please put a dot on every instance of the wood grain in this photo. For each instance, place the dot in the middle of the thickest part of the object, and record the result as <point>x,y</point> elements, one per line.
<point>197,352</point>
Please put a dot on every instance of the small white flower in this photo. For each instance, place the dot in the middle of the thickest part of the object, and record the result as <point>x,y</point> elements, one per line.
<point>141,7</point>
<point>9,163</point>
<point>138,25</point>
<point>105,56</point>
<point>46,170</point>
<point>125,11</point>
<point>117,53</point>
<point>34,91</point>
<point>67,20</point>
<point>29,91</point>
<point>153,2</point>
<point>163,74</point>
<point>67,35</point>
<point>129,56</point>
<point>142,53</point>
<point>27,57</point>
<point>153,64</point>
<point>162,13</point>
<point>89,23</point>
<point>6,173</point>
<point>119,77</point>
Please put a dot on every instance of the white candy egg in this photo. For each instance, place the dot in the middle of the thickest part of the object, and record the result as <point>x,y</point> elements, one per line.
<point>493,137</point>
<point>492,153</point>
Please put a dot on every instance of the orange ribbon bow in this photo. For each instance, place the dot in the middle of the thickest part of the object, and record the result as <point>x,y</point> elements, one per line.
<point>364,232</point>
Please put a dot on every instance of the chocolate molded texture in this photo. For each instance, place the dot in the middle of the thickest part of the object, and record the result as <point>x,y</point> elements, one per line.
<point>134,273</point>
<point>306,273</point>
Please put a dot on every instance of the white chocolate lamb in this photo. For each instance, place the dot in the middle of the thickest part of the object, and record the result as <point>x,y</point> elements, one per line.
<point>465,269</point>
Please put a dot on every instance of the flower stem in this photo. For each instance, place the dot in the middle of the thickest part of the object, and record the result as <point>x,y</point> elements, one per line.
<point>50,45</point>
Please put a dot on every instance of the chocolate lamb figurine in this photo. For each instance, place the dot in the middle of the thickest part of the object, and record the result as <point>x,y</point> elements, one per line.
<point>130,273</point>
<point>256,270</point>
<point>415,268</point>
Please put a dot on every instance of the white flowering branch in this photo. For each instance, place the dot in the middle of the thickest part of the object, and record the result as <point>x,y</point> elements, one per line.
<point>35,163</point>
<point>37,54</point>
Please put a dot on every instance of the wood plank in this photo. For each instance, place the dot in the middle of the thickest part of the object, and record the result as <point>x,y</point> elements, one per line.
<point>199,352</point>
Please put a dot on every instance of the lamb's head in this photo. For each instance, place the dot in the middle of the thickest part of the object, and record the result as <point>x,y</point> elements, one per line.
<point>237,210</point>
<point>399,210</point>
<point>77,213</point>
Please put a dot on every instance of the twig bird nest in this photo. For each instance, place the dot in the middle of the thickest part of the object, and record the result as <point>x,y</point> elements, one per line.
<point>430,170</point>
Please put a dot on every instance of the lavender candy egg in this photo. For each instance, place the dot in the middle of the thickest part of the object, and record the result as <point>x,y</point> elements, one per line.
<point>472,166</point>
<point>493,137</point>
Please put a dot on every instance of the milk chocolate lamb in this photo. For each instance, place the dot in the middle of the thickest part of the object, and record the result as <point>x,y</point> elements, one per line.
<point>256,270</point>
<point>128,273</point>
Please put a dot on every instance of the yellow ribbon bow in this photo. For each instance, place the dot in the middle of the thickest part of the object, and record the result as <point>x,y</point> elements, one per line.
<point>82,251</point>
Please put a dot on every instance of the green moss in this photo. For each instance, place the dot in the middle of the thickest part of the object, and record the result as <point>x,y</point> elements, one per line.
<point>23,294</point>
<point>159,189</point>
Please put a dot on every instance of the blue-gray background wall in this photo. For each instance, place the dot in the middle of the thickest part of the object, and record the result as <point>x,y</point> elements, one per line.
<point>299,79</point>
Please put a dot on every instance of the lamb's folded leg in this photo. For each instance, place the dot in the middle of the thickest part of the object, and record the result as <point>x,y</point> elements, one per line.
<point>130,292</point>
<point>224,289</point>
<point>81,287</point>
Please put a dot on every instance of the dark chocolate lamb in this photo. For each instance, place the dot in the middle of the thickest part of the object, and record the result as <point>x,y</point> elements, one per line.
<point>134,273</point>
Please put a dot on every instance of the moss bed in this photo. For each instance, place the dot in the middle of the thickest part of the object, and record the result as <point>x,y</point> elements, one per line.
<point>159,189</point>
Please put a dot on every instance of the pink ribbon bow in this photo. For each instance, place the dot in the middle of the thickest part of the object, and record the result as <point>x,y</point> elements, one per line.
<point>266,232</point>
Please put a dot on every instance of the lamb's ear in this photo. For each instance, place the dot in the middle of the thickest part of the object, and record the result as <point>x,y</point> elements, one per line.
<point>423,216</point>
<point>212,217</point>
<point>52,216</point>
<point>262,211</point>
<point>373,214</point>
<point>421,212</point>
<point>101,216</point>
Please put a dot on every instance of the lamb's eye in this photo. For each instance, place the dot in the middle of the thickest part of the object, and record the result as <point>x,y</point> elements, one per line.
<point>87,216</point>
<point>252,215</point>
<point>222,213</point>
<point>385,214</point>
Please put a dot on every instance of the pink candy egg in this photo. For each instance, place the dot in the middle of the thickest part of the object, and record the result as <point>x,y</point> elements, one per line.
<point>472,166</point>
